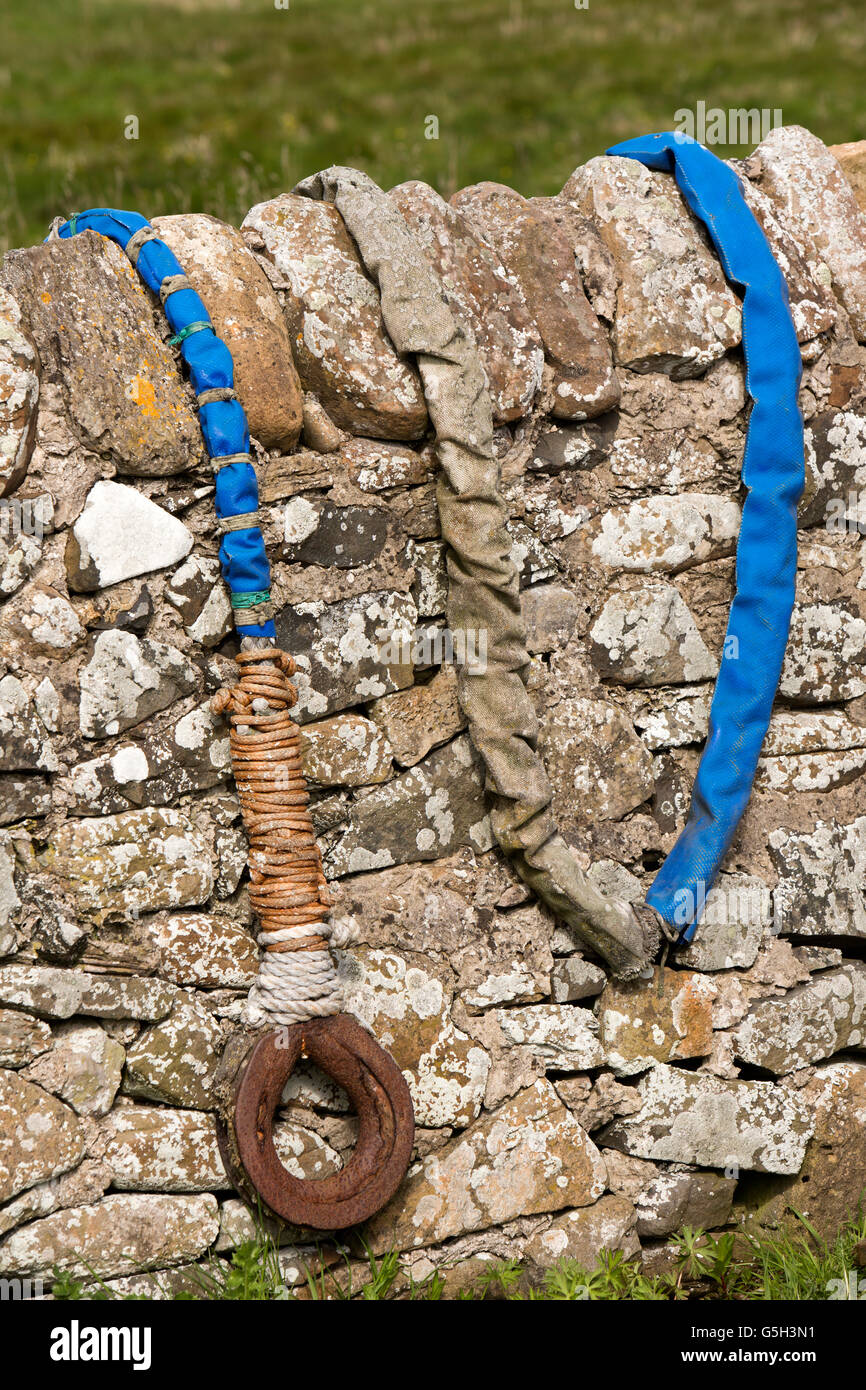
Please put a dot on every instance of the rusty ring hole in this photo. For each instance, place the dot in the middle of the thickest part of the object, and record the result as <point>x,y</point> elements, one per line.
<point>375,1086</point>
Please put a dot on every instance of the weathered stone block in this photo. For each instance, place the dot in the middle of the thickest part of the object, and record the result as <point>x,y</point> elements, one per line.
<point>136,862</point>
<point>91,321</point>
<point>342,351</point>
<point>695,1118</point>
<point>247,315</point>
<point>528,1156</point>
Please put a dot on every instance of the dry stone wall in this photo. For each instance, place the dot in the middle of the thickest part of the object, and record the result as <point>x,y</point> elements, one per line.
<point>559,1112</point>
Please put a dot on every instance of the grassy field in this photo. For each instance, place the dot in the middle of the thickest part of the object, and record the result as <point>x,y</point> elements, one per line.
<point>237,99</point>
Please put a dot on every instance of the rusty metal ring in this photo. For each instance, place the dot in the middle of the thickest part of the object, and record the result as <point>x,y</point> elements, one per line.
<point>381,1099</point>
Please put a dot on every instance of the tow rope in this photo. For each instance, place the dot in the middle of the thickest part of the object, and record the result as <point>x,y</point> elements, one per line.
<point>297,984</point>
<point>766,567</point>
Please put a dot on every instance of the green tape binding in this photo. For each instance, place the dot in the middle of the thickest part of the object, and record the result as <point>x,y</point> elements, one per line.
<point>198,327</point>
<point>251,599</point>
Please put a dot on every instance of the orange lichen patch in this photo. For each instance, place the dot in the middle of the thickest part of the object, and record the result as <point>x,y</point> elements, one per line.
<point>46,298</point>
<point>143,393</point>
<point>668,1017</point>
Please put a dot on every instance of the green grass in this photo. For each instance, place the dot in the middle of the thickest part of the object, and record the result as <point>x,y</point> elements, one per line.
<point>782,1266</point>
<point>236,101</point>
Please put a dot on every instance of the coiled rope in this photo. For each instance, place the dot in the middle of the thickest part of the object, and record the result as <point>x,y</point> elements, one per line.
<point>297,977</point>
<point>288,891</point>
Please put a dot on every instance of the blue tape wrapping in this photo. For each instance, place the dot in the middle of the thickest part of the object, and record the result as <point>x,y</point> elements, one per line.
<point>223,423</point>
<point>773,475</point>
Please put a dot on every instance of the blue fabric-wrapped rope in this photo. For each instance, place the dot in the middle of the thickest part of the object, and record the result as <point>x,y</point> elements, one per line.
<point>223,422</point>
<point>773,474</point>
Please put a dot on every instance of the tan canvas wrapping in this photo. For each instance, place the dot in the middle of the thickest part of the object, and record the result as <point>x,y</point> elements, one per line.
<point>483,590</point>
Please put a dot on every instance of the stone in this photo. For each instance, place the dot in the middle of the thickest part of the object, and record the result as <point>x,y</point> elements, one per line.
<point>155,1149</point>
<point>78,1187</point>
<point>127,679</point>
<point>120,1234</point>
<point>835,471</point>
<point>121,534</point>
<point>528,1156</point>
<point>532,559</point>
<point>647,636</point>
<point>805,749</point>
<point>53,993</point>
<point>20,556</point>
<point>406,1004</point>
<point>83,1067</point>
<point>677,1199</point>
<point>561,1036</point>
<point>574,978</point>
<point>91,321</point>
<point>375,465</point>
<point>825,659</point>
<point>851,158</point>
<point>127,606</point>
<point>690,1117</point>
<point>817,957</point>
<point>247,315</point>
<point>808,1024</point>
<point>21,1038</point>
<point>9,899</point>
<point>585,1234</point>
<point>24,741</point>
<point>540,261</point>
<point>20,370</point>
<point>289,476</point>
<point>42,1136</point>
<point>668,461</point>
<point>562,447</point>
<point>172,758</point>
<point>320,533</point>
<point>481,294</point>
<point>348,652</point>
<point>304,1153</point>
<point>551,615</point>
<point>671,718</point>
<point>596,264</point>
<point>674,311</point>
<point>175,1060</point>
<point>735,922</point>
<point>818,206</point>
<point>829,1187</point>
<point>49,919</point>
<point>813,308</point>
<point>601,1103</point>
<point>418,719</point>
<point>346,751</point>
<point>39,622</point>
<point>663,1019</point>
<point>433,809</point>
<point>431,579</point>
<point>199,594</point>
<point>205,951</point>
<point>598,766</point>
<point>507,960</point>
<point>135,862</point>
<point>419,907</point>
<point>342,351</point>
<point>819,890</point>
<point>21,798</point>
<point>320,432</point>
<point>230,848</point>
<point>665,534</point>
